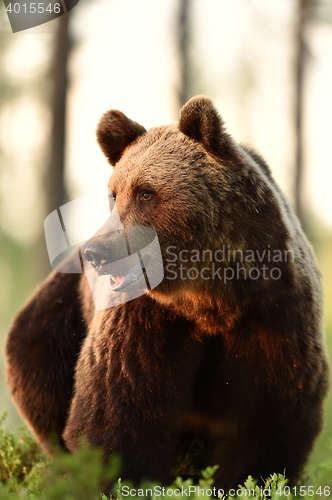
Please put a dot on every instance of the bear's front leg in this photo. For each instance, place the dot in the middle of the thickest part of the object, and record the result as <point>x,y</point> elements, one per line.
<point>42,350</point>
<point>134,382</point>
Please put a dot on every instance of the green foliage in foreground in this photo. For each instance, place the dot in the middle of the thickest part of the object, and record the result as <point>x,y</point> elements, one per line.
<point>26,473</point>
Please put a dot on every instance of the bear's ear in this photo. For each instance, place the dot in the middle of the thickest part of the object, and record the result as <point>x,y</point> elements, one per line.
<point>115,132</point>
<point>200,121</point>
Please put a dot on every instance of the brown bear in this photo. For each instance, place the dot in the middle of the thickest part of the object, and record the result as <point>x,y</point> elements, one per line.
<point>227,350</point>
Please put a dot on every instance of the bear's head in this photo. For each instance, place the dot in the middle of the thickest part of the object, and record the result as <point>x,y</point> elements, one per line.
<point>203,194</point>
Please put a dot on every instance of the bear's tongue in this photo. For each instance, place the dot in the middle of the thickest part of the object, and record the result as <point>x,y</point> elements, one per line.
<point>119,282</point>
<point>116,281</point>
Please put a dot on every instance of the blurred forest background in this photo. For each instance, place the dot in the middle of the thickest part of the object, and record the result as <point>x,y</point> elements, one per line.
<point>266,64</point>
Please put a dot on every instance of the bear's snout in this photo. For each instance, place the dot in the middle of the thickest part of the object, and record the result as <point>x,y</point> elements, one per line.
<point>97,254</point>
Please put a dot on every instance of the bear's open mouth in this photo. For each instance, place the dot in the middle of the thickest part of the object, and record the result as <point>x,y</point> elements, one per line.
<point>118,283</point>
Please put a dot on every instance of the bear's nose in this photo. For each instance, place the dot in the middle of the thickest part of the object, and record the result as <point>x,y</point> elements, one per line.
<point>96,254</point>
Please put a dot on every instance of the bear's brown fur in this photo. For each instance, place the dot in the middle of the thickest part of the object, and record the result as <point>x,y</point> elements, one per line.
<point>239,363</point>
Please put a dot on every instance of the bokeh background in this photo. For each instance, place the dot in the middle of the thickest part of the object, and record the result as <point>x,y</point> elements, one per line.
<point>266,64</point>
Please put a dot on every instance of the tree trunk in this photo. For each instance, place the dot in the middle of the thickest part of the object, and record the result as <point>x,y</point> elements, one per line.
<point>300,64</point>
<point>54,185</point>
<point>183,44</point>
<point>54,181</point>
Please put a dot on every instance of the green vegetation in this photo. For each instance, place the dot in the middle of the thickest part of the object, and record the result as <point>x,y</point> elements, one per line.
<point>323,248</point>
<point>27,473</point>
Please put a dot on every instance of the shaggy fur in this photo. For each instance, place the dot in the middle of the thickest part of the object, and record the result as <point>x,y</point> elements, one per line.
<point>239,364</point>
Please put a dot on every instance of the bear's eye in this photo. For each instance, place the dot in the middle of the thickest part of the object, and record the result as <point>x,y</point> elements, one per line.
<point>146,196</point>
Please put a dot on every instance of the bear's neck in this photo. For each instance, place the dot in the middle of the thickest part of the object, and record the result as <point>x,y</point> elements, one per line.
<point>211,317</point>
